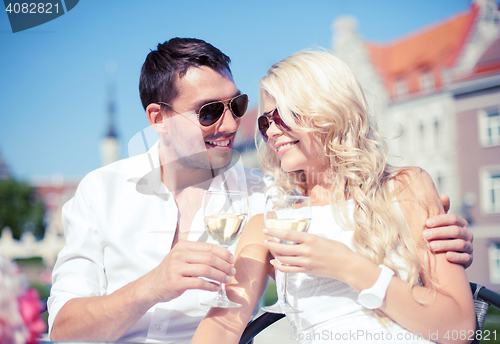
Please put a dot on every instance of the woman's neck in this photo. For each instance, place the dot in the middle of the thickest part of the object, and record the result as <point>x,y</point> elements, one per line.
<point>318,188</point>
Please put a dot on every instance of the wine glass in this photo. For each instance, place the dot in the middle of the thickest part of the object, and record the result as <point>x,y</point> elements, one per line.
<point>291,213</point>
<point>225,214</point>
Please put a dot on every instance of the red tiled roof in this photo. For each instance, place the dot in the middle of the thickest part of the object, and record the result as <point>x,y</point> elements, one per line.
<point>431,49</point>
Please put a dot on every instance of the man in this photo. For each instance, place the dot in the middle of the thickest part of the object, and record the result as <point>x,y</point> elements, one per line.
<point>135,244</point>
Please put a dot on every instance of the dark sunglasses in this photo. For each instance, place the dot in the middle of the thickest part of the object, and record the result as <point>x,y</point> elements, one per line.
<point>265,120</point>
<point>210,113</point>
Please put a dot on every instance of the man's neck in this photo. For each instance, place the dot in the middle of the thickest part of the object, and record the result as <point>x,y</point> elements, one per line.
<point>177,179</point>
<point>187,187</point>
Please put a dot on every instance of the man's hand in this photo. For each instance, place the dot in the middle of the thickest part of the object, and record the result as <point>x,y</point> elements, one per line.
<point>181,268</point>
<point>449,233</point>
<point>446,202</point>
<point>108,317</point>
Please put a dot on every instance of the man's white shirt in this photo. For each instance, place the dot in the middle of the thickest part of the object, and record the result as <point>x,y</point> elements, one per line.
<point>120,225</point>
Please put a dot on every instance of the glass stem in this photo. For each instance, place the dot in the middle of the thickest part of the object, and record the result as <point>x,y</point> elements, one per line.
<point>285,279</point>
<point>280,286</point>
<point>222,292</point>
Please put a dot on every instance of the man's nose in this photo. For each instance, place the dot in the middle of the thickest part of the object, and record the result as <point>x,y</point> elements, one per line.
<point>228,122</point>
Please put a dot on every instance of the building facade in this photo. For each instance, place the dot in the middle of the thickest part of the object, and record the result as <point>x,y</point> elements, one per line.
<point>477,101</point>
<point>436,97</point>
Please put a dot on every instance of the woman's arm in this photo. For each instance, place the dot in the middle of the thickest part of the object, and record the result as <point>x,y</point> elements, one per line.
<point>225,325</point>
<point>449,307</point>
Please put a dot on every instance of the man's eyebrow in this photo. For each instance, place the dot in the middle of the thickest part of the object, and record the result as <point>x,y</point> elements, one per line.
<point>207,101</point>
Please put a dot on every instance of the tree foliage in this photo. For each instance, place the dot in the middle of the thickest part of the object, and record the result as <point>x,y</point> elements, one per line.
<point>21,209</point>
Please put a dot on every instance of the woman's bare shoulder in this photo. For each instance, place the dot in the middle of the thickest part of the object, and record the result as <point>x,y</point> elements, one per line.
<point>416,193</point>
<point>415,180</point>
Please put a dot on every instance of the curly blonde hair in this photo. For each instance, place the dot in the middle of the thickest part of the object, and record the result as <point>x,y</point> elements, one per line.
<point>316,92</point>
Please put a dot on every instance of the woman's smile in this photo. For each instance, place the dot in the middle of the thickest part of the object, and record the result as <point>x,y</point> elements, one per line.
<point>283,147</point>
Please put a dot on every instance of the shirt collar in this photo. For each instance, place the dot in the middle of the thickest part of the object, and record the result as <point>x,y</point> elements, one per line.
<point>230,178</point>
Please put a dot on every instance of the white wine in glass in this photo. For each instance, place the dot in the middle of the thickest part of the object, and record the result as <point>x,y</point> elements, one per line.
<point>290,213</point>
<point>287,224</point>
<point>225,215</point>
<point>224,228</point>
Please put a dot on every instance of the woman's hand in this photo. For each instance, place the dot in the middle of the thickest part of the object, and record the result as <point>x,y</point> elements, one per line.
<point>312,254</point>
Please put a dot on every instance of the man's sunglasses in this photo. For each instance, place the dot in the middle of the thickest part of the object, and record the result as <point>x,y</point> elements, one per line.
<point>210,113</point>
<point>265,120</point>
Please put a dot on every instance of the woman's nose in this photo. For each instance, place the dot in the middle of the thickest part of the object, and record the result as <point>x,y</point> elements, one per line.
<point>273,131</point>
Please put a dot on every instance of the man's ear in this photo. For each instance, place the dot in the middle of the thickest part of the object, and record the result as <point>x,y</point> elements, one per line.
<point>155,118</point>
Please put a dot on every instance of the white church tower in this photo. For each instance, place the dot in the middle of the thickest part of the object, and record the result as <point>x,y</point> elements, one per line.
<point>110,146</point>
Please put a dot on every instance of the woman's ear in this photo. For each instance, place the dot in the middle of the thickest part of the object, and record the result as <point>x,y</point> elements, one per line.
<point>155,118</point>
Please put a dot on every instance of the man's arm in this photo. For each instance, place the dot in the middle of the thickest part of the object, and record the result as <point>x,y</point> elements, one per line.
<point>449,233</point>
<point>80,307</point>
<point>108,317</point>
<point>95,318</point>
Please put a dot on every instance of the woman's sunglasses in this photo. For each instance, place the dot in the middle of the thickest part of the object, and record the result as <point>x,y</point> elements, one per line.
<point>210,113</point>
<point>265,120</point>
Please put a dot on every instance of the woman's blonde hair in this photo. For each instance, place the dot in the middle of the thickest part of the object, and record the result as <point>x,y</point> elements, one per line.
<point>317,92</point>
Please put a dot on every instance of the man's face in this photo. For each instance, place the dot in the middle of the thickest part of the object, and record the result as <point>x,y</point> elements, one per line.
<point>195,146</point>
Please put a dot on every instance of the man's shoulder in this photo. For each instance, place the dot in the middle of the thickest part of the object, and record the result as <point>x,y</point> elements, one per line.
<point>120,171</point>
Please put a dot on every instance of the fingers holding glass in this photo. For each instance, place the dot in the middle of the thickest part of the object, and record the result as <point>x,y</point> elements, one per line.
<point>286,214</point>
<point>225,214</point>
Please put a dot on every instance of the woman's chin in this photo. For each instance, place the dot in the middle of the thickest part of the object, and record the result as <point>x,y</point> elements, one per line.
<point>289,168</point>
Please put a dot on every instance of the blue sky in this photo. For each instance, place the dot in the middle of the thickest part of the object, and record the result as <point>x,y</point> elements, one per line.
<point>53,79</point>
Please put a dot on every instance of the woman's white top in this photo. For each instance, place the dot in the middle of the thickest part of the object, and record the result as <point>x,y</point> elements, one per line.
<point>330,311</point>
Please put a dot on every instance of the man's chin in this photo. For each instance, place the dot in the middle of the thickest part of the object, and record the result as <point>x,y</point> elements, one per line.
<point>220,159</point>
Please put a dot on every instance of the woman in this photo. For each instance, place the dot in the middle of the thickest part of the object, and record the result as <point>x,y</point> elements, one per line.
<point>367,223</point>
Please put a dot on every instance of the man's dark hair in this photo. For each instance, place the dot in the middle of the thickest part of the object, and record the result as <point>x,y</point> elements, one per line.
<point>172,59</point>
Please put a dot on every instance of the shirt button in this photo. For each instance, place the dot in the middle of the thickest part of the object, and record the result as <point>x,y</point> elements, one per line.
<point>158,327</point>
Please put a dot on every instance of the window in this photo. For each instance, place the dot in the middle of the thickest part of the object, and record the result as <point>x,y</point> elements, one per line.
<point>401,89</point>
<point>421,130</point>
<point>440,183</point>
<point>402,142</point>
<point>436,133</point>
<point>489,127</point>
<point>494,258</point>
<point>427,82</point>
<point>490,189</point>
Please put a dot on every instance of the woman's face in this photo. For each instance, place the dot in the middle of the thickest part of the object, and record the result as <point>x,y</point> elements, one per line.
<point>297,150</point>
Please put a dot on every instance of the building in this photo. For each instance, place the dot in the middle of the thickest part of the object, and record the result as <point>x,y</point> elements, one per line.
<point>477,106</point>
<point>54,192</point>
<point>245,140</point>
<point>433,91</point>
